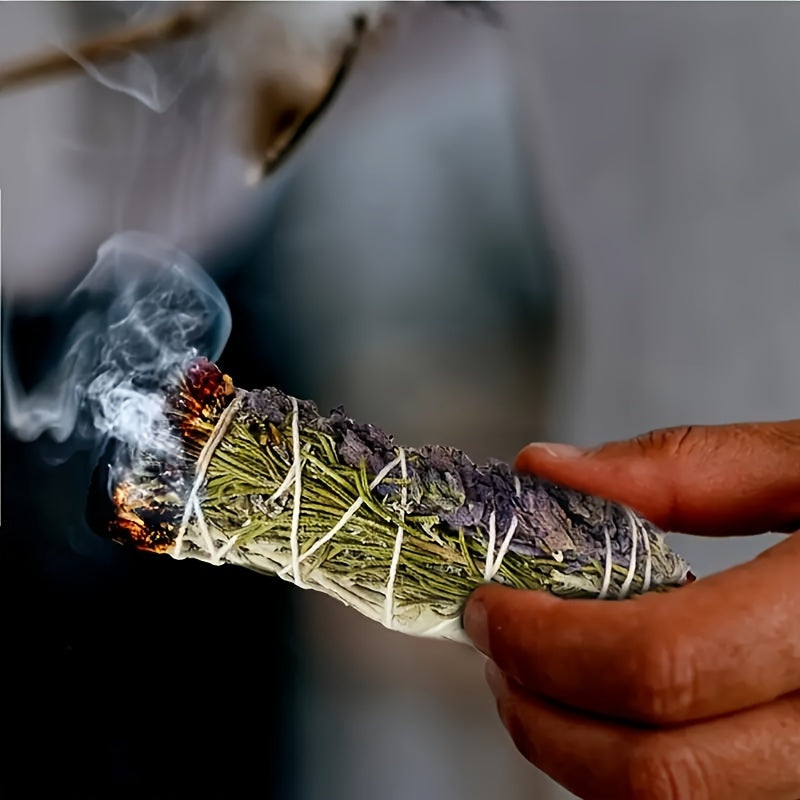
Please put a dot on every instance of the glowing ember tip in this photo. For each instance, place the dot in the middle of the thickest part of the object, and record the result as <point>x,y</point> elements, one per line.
<point>136,496</point>
<point>206,383</point>
<point>200,397</point>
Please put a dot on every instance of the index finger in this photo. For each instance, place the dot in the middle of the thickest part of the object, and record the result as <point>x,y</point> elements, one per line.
<point>721,644</point>
<point>718,479</point>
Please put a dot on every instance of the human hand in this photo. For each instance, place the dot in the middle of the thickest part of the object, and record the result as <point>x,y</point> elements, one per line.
<point>694,693</point>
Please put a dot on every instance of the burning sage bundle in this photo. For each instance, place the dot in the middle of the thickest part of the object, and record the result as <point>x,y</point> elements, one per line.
<point>403,535</point>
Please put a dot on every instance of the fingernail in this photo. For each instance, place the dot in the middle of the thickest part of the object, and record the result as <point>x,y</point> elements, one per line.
<point>557,450</point>
<point>476,625</point>
<point>494,677</point>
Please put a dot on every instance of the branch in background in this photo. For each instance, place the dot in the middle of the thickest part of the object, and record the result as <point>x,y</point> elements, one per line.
<point>284,141</point>
<point>283,115</point>
<point>104,49</point>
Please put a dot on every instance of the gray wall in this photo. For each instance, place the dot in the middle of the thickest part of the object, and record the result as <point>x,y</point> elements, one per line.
<point>663,141</point>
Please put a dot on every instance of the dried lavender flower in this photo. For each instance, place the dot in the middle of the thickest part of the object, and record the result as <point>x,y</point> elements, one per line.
<point>262,480</point>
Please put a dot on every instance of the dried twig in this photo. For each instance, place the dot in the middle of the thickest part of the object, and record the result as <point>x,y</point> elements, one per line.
<point>180,25</point>
<point>291,138</point>
<point>103,49</point>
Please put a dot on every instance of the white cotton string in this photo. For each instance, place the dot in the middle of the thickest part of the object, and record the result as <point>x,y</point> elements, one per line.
<point>203,461</point>
<point>487,569</point>
<point>284,487</point>
<point>501,553</point>
<point>388,603</point>
<point>648,564</point>
<point>225,549</point>
<point>449,628</point>
<point>277,494</point>
<point>346,517</point>
<point>607,571</point>
<point>634,529</point>
<point>205,534</point>
<point>297,466</point>
<point>493,567</point>
<point>346,594</point>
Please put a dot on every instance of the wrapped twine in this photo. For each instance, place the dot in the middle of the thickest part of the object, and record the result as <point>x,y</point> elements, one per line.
<point>403,535</point>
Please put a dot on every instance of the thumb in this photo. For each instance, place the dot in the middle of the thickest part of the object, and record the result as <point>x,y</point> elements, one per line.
<point>718,480</point>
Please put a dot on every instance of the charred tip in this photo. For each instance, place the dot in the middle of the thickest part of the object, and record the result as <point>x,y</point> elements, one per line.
<point>205,381</point>
<point>202,394</point>
<point>206,386</point>
<point>111,515</point>
<point>135,498</point>
<point>100,508</point>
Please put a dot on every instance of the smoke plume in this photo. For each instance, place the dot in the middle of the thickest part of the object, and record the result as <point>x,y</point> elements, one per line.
<point>143,310</point>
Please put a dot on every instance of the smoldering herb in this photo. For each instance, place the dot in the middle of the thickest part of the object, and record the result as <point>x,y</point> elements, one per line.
<point>403,535</point>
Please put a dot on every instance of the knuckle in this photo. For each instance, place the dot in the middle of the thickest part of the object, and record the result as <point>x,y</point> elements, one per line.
<point>671,441</point>
<point>662,681</point>
<point>782,434</point>
<point>660,770</point>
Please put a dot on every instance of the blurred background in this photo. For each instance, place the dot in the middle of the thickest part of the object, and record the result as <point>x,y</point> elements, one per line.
<point>565,221</point>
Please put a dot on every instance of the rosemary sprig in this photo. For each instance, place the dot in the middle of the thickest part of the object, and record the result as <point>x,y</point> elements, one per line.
<point>403,535</point>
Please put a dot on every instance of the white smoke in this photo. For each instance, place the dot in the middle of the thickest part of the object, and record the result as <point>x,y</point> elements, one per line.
<point>139,77</point>
<point>143,310</point>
